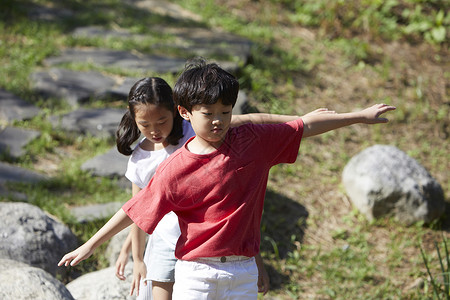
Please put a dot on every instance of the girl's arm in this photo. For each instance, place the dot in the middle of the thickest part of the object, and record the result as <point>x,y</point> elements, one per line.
<point>319,123</point>
<point>137,242</point>
<point>138,237</point>
<point>118,222</point>
<point>122,260</point>
<point>262,118</point>
<point>138,247</point>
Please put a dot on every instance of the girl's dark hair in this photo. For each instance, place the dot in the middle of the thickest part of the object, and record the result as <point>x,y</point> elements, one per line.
<point>149,90</point>
<point>202,83</point>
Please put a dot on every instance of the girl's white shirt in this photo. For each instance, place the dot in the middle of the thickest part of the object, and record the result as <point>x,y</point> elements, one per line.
<point>141,168</point>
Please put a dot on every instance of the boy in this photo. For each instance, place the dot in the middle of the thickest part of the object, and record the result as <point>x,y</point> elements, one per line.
<point>216,185</point>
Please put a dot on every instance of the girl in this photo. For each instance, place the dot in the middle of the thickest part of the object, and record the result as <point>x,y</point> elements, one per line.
<point>152,112</point>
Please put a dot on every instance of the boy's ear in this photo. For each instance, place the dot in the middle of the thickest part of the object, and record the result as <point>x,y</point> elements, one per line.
<point>183,112</point>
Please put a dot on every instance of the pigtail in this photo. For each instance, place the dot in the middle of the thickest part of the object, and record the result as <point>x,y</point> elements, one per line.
<point>127,133</point>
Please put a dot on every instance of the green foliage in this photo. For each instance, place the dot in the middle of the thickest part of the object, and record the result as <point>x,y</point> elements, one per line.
<point>433,26</point>
<point>441,288</point>
<point>22,47</point>
<point>390,20</point>
<point>72,187</point>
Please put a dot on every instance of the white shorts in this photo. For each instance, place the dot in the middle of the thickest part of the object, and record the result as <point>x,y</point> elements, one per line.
<point>209,278</point>
<point>160,260</point>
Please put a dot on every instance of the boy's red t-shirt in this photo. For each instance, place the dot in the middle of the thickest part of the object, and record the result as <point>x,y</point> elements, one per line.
<point>218,197</point>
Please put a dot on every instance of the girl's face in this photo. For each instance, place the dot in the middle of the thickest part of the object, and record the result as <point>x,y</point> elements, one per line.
<point>155,122</point>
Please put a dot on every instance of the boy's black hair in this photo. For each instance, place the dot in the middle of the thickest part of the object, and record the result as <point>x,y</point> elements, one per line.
<point>149,90</point>
<point>203,83</point>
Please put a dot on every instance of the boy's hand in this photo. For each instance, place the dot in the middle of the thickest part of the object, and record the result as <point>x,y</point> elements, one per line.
<point>121,262</point>
<point>321,122</point>
<point>76,256</point>
<point>263,282</point>
<point>263,276</point>
<point>371,115</point>
<point>139,272</point>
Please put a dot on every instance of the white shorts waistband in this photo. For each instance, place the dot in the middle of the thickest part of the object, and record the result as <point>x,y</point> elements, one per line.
<point>223,259</point>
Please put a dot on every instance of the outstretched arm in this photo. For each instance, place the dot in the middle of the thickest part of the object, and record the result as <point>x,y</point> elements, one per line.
<point>263,118</point>
<point>321,123</point>
<point>118,222</point>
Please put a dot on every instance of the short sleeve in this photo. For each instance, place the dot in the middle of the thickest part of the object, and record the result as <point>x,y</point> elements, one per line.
<point>148,207</point>
<point>278,143</point>
<point>292,133</point>
<point>132,173</point>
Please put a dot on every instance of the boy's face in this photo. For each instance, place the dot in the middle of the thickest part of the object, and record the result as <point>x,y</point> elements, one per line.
<point>209,121</point>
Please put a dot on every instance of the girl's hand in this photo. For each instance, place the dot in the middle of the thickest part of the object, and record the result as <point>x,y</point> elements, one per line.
<point>76,256</point>
<point>371,115</point>
<point>139,273</point>
<point>121,262</point>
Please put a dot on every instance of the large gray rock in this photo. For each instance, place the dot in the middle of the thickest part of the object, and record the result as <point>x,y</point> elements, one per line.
<point>29,235</point>
<point>13,140</point>
<point>21,281</point>
<point>57,12</point>
<point>115,246</point>
<point>93,212</point>
<point>107,33</point>
<point>109,164</point>
<point>11,173</point>
<point>71,86</point>
<point>102,285</point>
<point>13,108</point>
<point>120,91</point>
<point>191,41</point>
<point>212,43</point>
<point>119,59</point>
<point>100,122</point>
<point>385,181</point>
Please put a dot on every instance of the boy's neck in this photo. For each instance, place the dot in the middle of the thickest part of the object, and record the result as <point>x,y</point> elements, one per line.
<point>200,146</point>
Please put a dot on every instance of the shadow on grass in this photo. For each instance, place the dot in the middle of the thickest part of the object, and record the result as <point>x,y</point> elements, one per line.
<point>283,223</point>
<point>444,222</point>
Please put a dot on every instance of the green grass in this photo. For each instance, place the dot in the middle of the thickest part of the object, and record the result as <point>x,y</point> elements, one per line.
<point>440,281</point>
